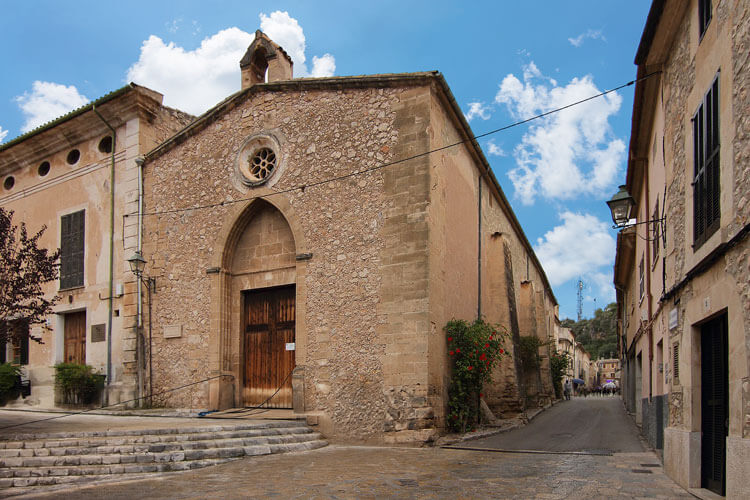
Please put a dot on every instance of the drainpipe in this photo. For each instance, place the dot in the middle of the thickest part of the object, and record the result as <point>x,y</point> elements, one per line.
<point>139,245</point>
<point>139,285</point>
<point>479,251</point>
<point>111,247</point>
<point>648,291</point>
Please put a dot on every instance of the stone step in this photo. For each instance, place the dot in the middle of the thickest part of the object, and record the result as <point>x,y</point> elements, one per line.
<point>32,447</point>
<point>30,461</point>
<point>144,469</point>
<point>13,440</point>
<point>145,463</point>
<point>111,454</point>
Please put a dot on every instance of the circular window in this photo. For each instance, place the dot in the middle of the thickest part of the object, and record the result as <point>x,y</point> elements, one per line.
<point>258,160</point>
<point>9,183</point>
<point>105,145</point>
<point>43,169</point>
<point>73,157</point>
<point>262,164</point>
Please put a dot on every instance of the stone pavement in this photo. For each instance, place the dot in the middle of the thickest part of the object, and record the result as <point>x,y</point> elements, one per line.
<point>373,472</point>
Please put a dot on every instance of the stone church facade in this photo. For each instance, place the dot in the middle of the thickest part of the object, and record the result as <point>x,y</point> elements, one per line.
<point>311,237</point>
<point>306,241</point>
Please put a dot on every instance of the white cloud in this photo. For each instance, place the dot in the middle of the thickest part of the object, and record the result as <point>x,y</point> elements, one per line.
<point>592,34</point>
<point>286,31</point>
<point>47,101</point>
<point>581,245</point>
<point>192,80</point>
<point>568,153</point>
<point>3,134</point>
<point>477,109</point>
<point>195,80</point>
<point>603,281</point>
<point>323,66</point>
<point>495,150</point>
<point>173,26</point>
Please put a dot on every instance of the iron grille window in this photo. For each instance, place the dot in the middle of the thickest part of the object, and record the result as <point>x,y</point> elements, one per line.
<point>72,229</point>
<point>706,186</point>
<point>676,363</point>
<point>704,16</point>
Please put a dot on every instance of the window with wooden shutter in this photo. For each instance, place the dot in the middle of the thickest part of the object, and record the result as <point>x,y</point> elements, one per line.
<point>706,185</point>
<point>72,232</point>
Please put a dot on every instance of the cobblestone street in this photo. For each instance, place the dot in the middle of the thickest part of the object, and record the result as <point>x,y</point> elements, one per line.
<point>369,472</point>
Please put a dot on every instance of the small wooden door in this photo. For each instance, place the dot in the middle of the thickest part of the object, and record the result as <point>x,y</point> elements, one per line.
<point>714,404</point>
<point>75,337</point>
<point>269,318</point>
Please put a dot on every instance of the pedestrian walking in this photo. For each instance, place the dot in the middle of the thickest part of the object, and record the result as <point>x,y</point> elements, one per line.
<point>567,388</point>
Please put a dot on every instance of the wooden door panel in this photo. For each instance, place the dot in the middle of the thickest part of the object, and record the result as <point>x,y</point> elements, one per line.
<point>75,337</point>
<point>269,322</point>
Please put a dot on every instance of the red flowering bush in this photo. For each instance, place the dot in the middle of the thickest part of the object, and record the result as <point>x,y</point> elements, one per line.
<point>474,350</point>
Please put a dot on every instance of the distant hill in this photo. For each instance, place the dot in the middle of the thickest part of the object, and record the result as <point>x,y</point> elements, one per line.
<point>598,334</point>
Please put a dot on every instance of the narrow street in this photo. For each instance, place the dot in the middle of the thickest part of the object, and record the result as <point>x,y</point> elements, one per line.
<point>597,425</point>
<point>583,448</point>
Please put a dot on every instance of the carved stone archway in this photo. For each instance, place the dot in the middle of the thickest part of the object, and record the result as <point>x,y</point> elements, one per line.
<point>229,279</point>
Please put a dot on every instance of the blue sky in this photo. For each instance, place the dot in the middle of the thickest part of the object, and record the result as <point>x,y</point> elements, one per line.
<point>504,61</point>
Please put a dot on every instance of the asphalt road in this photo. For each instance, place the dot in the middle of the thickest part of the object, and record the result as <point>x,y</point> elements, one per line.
<point>587,425</point>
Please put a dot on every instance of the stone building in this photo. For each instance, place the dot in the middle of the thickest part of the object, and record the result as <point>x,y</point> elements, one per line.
<point>309,239</point>
<point>682,272</point>
<point>76,176</point>
<point>607,370</point>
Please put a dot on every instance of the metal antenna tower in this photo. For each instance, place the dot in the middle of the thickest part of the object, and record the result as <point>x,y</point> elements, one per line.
<point>580,298</point>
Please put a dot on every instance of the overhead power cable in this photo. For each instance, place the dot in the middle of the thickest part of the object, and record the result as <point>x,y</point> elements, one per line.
<point>303,187</point>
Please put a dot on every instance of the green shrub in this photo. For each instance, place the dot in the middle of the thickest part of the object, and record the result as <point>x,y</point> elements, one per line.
<point>559,362</point>
<point>77,383</point>
<point>529,352</point>
<point>9,374</point>
<point>474,350</point>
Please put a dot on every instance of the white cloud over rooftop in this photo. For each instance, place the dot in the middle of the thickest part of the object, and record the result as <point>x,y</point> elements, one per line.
<point>47,101</point>
<point>195,80</point>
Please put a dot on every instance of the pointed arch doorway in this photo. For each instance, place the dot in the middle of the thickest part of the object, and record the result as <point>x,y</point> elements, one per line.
<point>259,308</point>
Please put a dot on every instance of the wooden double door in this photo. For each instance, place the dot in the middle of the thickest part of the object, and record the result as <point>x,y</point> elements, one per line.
<point>75,337</point>
<point>269,346</point>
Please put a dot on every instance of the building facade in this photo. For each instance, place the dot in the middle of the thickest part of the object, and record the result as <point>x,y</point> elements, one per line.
<point>682,272</point>
<point>608,371</point>
<point>310,239</point>
<point>77,177</point>
<point>305,242</point>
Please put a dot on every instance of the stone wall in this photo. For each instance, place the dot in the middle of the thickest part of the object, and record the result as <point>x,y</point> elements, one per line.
<point>655,420</point>
<point>364,344</point>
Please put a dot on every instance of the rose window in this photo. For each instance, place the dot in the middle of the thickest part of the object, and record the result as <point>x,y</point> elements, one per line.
<point>262,164</point>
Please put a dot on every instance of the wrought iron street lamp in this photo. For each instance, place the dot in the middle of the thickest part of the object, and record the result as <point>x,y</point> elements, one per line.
<point>137,267</point>
<point>621,205</point>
